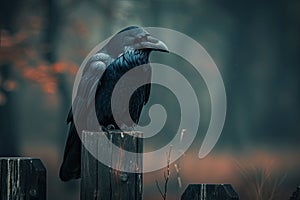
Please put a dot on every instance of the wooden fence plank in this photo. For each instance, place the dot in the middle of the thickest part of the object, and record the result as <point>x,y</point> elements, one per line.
<point>296,194</point>
<point>104,182</point>
<point>209,192</point>
<point>22,178</point>
<point>90,166</point>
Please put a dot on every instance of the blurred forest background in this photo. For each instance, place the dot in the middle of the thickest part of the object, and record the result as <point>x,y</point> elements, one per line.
<point>255,44</point>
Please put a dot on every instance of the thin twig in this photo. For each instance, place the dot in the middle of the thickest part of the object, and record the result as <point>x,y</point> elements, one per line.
<point>158,187</point>
<point>166,177</point>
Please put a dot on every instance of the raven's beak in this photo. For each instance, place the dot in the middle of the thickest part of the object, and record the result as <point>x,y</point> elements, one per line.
<point>154,44</point>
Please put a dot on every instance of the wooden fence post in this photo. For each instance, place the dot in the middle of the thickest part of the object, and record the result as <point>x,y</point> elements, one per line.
<point>22,178</point>
<point>101,182</point>
<point>209,192</point>
<point>296,194</point>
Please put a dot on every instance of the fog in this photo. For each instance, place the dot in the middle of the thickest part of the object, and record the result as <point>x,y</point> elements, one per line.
<point>254,44</point>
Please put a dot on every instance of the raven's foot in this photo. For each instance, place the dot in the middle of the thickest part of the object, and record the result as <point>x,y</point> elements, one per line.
<point>108,128</point>
<point>111,127</point>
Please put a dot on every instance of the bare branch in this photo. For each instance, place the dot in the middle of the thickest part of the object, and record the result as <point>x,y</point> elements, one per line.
<point>166,177</point>
<point>158,187</point>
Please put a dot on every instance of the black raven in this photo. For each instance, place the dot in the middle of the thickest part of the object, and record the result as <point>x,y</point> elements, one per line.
<point>124,51</point>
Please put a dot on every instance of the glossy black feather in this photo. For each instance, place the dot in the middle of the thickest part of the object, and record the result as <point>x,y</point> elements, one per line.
<point>71,168</point>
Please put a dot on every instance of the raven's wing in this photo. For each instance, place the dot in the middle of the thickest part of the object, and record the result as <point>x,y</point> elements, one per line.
<point>87,87</point>
<point>148,86</point>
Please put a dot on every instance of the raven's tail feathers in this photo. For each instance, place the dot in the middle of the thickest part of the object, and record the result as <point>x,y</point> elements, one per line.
<point>71,166</point>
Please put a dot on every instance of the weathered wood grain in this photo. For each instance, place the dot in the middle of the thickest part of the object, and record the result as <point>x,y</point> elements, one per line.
<point>22,179</point>
<point>102,182</point>
<point>209,192</point>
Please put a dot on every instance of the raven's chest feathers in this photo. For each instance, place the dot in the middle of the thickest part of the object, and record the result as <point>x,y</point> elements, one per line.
<point>111,76</point>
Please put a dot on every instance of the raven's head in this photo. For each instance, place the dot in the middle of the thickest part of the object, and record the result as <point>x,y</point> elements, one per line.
<point>133,38</point>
